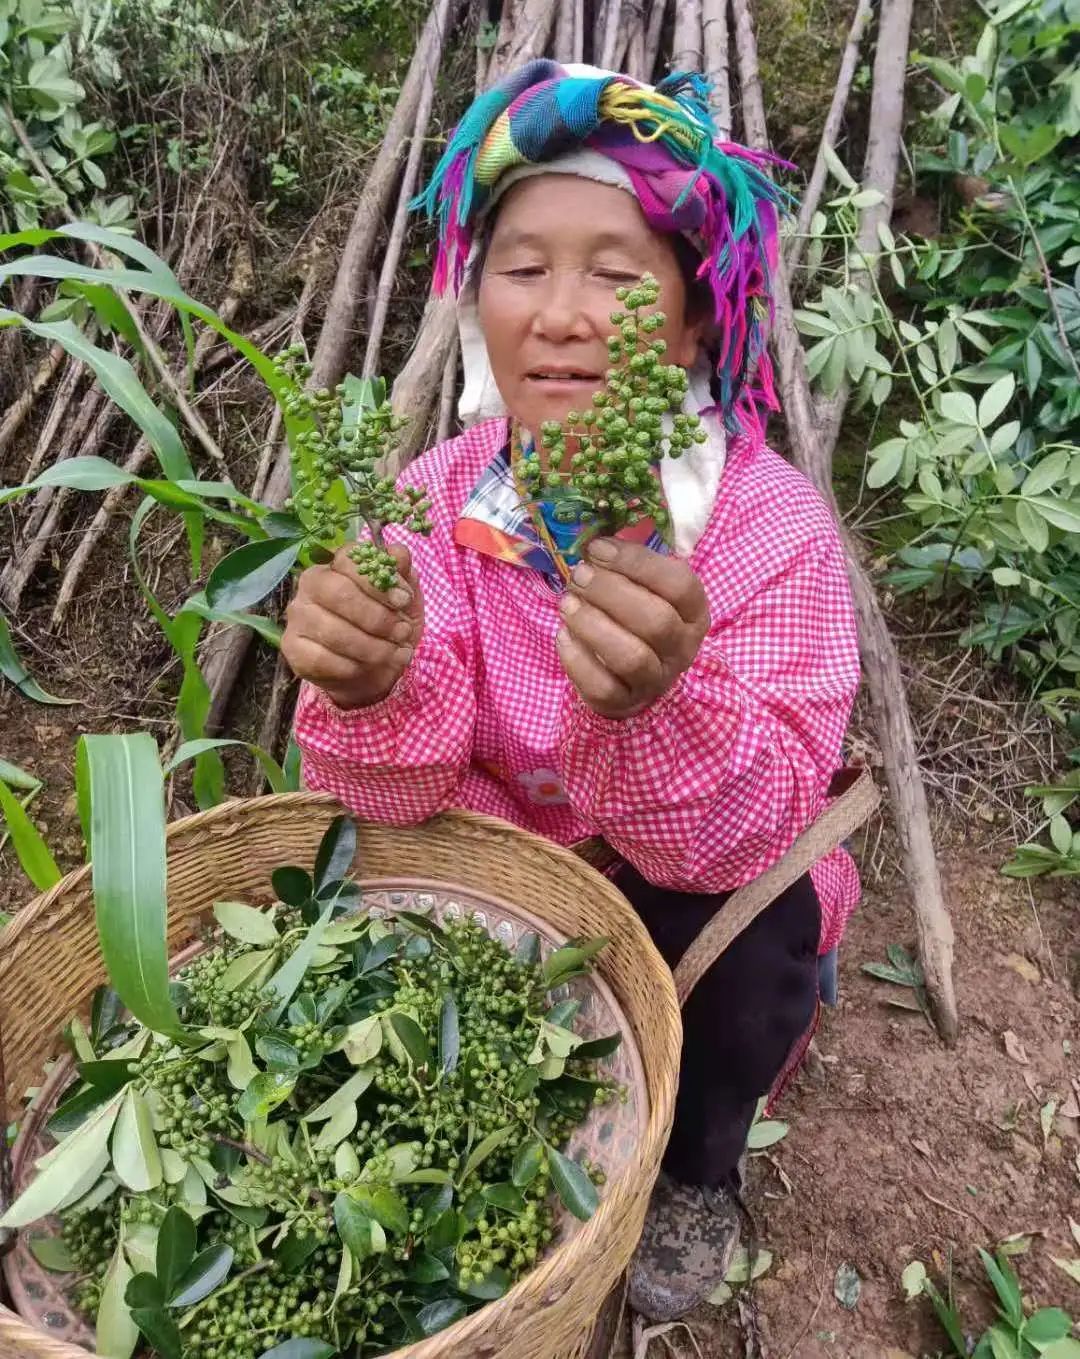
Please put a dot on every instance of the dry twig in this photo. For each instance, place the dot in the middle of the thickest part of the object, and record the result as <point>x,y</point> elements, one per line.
<point>833,119</point>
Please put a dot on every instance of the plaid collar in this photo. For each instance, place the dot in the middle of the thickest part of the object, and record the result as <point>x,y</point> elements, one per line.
<point>497,523</point>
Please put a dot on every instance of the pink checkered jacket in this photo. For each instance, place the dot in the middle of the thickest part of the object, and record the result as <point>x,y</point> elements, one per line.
<point>700,792</point>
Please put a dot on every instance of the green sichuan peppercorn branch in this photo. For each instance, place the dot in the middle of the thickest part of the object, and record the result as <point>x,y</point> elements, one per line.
<point>601,467</point>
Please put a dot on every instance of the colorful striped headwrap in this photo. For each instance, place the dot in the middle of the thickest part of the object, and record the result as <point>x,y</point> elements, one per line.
<point>719,194</point>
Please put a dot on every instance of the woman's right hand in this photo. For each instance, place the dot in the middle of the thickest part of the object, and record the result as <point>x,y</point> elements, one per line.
<point>350,640</point>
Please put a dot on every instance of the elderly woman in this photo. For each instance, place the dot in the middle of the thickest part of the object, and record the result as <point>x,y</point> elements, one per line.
<point>688,703</point>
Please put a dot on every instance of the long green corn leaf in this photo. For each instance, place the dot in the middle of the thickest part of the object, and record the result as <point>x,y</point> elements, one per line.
<point>191,750</point>
<point>30,847</point>
<point>14,670</point>
<point>121,794</point>
<point>15,777</point>
<point>193,701</point>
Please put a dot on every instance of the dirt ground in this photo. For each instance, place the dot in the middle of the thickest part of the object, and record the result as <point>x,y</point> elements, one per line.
<point>900,1149</point>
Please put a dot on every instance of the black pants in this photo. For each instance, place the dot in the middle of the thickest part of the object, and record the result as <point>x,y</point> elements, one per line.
<point>741,1022</point>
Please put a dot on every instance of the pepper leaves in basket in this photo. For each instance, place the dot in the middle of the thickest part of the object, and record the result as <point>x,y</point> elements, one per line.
<point>345,1133</point>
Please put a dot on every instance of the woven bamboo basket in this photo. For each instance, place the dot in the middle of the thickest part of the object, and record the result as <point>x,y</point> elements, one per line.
<point>50,965</point>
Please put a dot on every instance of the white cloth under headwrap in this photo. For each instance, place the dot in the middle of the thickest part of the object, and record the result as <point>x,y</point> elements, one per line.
<point>690,483</point>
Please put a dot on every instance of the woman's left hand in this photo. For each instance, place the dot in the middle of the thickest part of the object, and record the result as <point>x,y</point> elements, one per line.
<point>633,622</point>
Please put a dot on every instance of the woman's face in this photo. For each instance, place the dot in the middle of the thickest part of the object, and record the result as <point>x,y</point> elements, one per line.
<point>560,247</point>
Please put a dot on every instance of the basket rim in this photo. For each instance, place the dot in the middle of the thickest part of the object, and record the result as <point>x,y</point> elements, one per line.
<point>541,1282</point>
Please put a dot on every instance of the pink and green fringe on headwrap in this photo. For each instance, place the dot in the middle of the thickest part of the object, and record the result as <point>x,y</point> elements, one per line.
<point>719,194</point>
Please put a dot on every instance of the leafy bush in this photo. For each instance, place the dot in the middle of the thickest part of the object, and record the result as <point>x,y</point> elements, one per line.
<point>44,51</point>
<point>977,347</point>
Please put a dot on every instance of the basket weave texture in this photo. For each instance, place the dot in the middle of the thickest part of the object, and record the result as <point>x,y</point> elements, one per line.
<point>50,965</point>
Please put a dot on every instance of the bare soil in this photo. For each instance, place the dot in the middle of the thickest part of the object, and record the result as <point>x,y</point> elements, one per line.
<point>900,1149</point>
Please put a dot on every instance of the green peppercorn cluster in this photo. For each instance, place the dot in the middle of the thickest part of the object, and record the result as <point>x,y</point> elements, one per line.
<point>449,1156</point>
<point>329,450</point>
<point>601,463</point>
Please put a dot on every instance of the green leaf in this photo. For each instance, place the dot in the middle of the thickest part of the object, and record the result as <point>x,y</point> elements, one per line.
<point>80,1156</point>
<point>363,1040</point>
<point>354,1226</point>
<point>837,168</point>
<point>202,1276</point>
<point>13,669</point>
<point>484,1148</point>
<point>593,1049</point>
<point>572,1184</point>
<point>241,971</point>
<point>1061,835</point>
<point>292,885</point>
<point>1033,526</point>
<point>192,750</point>
<point>1047,1325</point>
<point>175,1248</point>
<point>1063,514</point>
<point>144,1291</point>
<point>1049,471</point>
<point>245,923</point>
<point>427,1269</point>
<point>569,961</point>
<point>994,400</point>
<point>436,1316</point>
<point>345,1095</point>
<point>528,950</point>
<point>504,1196</point>
<point>412,1039</point>
<point>383,1205</point>
<point>528,1162</point>
<point>300,1347</point>
<point>52,1253</point>
<point>115,1333</point>
<point>249,573</point>
<point>1006,1285</point>
<point>18,778</point>
<point>492,1286</point>
<point>337,849</point>
<point>291,973</point>
<point>264,1094</point>
<point>161,1331</point>
<point>449,1034</point>
<point>135,1155</point>
<point>119,777</point>
<point>766,1134</point>
<point>30,848</point>
<point>959,407</point>
<point>886,461</point>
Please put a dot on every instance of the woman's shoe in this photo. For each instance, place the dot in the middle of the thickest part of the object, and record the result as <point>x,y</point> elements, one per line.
<point>686,1248</point>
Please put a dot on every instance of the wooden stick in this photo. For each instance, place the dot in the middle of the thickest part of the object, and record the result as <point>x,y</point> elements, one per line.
<point>687,47</point>
<point>579,30</point>
<point>66,389</point>
<point>833,119</point>
<point>21,407</point>
<point>880,167</point>
<point>20,568</point>
<point>563,46</point>
<point>612,22</point>
<point>449,391</point>
<point>812,450</point>
<point>392,257</point>
<point>653,35</point>
<point>714,26</point>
